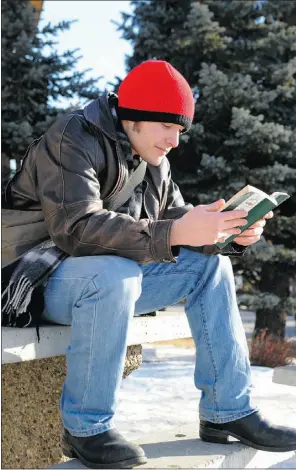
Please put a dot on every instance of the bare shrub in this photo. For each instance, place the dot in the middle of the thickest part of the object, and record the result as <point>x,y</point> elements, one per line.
<point>269,351</point>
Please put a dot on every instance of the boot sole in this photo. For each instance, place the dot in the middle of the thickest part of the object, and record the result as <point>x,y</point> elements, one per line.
<point>72,453</point>
<point>217,436</point>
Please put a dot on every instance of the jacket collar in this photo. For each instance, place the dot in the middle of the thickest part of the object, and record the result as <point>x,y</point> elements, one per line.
<point>98,112</point>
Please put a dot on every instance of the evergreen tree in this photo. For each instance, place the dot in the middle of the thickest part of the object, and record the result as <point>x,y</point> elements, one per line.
<point>240,60</point>
<point>34,77</point>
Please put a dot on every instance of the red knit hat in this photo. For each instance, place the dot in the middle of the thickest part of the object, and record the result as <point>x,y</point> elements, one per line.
<point>156,91</point>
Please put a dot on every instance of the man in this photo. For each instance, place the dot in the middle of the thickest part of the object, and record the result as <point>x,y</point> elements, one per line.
<point>150,253</point>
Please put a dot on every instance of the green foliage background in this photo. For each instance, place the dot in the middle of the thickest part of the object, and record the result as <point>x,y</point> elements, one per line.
<point>240,60</point>
<point>34,78</point>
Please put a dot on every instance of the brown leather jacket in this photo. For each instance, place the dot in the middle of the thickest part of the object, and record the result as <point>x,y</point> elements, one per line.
<point>68,176</point>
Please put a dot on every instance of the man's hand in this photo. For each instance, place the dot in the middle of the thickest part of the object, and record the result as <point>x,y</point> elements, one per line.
<point>206,225</point>
<point>253,233</point>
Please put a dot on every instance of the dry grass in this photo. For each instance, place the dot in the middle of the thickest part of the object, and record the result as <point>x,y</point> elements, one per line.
<point>178,343</point>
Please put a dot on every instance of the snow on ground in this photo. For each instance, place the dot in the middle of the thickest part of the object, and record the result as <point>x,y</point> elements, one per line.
<point>161,395</point>
<point>289,463</point>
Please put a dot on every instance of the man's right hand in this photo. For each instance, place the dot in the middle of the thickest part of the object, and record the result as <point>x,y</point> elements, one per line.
<point>205,225</point>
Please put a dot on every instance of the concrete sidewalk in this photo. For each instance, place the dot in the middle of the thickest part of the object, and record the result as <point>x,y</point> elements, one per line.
<point>180,448</point>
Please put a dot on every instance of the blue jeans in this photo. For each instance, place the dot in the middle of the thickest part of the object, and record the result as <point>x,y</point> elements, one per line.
<point>98,296</point>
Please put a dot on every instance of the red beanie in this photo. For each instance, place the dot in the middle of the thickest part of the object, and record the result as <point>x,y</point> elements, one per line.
<point>156,91</point>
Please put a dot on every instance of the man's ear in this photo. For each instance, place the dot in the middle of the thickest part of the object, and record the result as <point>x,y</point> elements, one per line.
<point>127,124</point>
<point>136,126</point>
<point>124,123</point>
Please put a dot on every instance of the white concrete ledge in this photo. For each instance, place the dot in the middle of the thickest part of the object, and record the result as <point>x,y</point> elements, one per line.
<point>20,344</point>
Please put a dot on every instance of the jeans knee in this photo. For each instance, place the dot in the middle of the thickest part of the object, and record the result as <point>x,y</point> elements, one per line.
<point>122,277</point>
<point>209,262</point>
<point>225,264</point>
<point>222,268</point>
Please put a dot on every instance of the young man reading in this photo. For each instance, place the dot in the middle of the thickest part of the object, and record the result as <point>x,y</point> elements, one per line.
<point>149,253</point>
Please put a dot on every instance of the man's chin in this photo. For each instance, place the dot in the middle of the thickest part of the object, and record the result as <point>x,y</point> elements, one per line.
<point>157,161</point>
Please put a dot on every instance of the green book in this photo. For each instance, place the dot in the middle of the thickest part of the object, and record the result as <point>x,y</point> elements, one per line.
<point>256,202</point>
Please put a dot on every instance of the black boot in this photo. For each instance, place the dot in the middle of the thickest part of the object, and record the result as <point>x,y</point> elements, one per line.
<point>252,430</point>
<point>106,450</point>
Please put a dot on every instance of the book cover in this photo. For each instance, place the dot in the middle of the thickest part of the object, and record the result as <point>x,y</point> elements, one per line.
<point>257,203</point>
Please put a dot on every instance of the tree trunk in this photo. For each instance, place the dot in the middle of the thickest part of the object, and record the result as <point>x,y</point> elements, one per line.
<point>274,279</point>
<point>272,320</point>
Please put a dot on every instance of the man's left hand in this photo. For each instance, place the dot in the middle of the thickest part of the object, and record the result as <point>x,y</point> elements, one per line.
<point>253,233</point>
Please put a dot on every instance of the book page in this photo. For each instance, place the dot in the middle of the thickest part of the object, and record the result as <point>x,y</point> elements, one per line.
<point>276,194</point>
<point>242,195</point>
<point>249,202</point>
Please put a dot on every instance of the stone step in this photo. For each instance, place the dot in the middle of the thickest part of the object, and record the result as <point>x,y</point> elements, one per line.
<point>285,375</point>
<point>181,448</point>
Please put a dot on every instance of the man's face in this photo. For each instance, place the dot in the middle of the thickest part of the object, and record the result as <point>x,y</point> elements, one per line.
<point>152,140</point>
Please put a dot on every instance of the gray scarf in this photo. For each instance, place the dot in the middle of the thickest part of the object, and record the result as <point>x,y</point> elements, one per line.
<point>22,290</point>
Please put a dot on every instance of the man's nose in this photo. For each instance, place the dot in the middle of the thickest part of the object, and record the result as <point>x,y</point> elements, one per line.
<point>173,139</point>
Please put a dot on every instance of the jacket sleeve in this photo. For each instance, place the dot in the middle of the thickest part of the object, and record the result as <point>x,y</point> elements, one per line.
<point>73,209</point>
<point>176,208</point>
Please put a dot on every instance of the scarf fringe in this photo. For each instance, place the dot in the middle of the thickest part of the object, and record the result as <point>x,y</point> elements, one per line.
<point>27,279</point>
<point>18,296</point>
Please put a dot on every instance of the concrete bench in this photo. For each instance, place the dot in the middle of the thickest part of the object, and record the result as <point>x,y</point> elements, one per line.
<point>20,344</point>
<point>32,378</point>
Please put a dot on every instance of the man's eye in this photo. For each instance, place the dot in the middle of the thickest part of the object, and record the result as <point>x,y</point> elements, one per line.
<point>167,125</point>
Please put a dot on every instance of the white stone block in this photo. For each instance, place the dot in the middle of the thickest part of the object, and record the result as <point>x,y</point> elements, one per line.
<point>285,375</point>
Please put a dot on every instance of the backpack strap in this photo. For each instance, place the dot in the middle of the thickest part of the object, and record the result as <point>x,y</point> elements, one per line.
<point>127,190</point>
